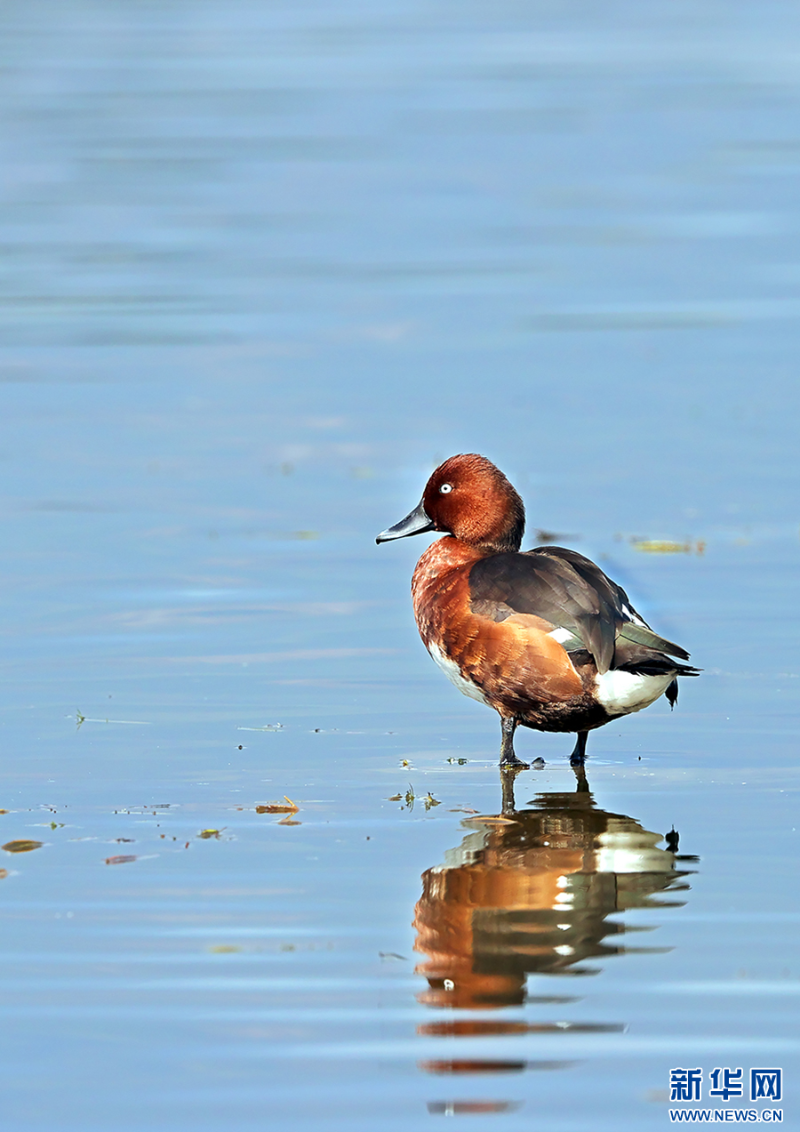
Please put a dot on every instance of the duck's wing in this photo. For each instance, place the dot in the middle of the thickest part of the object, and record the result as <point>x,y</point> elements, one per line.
<point>568,592</point>
<point>633,627</point>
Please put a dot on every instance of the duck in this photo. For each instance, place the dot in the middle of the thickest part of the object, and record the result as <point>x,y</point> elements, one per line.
<point>543,636</point>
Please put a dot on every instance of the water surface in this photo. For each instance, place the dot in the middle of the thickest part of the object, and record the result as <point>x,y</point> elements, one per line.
<point>263,267</point>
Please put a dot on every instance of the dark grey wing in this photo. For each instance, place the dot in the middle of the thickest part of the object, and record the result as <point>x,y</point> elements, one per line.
<point>566,590</point>
<point>549,586</point>
<point>633,627</point>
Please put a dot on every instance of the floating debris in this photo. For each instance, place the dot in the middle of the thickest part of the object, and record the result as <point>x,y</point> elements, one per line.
<point>121,859</point>
<point>266,727</point>
<point>207,834</point>
<point>409,798</point>
<point>665,546</point>
<point>554,536</point>
<point>81,718</point>
<point>492,819</point>
<point>21,846</point>
<point>287,807</point>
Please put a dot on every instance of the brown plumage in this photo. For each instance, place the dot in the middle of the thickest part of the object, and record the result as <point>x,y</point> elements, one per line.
<point>543,637</point>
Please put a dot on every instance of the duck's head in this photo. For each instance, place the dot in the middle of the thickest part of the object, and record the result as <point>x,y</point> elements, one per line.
<point>471,499</point>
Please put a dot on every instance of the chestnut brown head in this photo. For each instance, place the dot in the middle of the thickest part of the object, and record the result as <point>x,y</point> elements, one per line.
<point>471,499</point>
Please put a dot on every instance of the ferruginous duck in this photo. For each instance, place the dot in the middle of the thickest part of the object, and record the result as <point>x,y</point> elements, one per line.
<point>542,636</point>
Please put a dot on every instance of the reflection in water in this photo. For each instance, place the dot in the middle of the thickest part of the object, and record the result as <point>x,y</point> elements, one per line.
<point>530,891</point>
<point>458,1108</point>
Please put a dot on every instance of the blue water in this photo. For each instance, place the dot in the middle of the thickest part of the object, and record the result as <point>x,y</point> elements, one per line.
<point>264,266</point>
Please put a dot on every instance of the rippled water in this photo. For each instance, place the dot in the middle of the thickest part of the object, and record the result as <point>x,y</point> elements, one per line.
<point>262,267</point>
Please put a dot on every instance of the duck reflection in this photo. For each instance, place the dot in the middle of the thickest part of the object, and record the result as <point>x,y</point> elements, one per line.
<point>530,891</point>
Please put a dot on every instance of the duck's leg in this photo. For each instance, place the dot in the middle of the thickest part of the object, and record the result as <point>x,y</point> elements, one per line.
<point>508,759</point>
<point>578,756</point>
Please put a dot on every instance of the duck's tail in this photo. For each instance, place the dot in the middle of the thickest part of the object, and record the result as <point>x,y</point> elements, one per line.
<point>642,635</point>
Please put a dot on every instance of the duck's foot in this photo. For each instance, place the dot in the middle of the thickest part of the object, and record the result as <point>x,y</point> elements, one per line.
<point>508,760</point>
<point>514,764</point>
<point>578,756</point>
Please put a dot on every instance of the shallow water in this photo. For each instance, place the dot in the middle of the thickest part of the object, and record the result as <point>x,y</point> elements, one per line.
<point>263,267</point>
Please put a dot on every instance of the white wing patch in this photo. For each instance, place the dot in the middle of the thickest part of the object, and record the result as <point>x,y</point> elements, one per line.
<point>622,692</point>
<point>634,617</point>
<point>453,674</point>
<point>561,635</point>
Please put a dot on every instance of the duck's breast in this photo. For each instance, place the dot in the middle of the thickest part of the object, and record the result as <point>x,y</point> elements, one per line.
<point>486,659</point>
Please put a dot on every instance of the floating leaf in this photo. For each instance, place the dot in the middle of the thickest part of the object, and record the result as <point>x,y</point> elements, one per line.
<point>492,819</point>
<point>287,807</point>
<point>122,859</point>
<point>665,546</point>
<point>21,846</point>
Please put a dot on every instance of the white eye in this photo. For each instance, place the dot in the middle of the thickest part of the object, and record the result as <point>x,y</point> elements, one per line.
<point>445,488</point>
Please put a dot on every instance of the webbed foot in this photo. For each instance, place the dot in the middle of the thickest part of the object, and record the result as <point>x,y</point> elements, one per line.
<point>514,764</point>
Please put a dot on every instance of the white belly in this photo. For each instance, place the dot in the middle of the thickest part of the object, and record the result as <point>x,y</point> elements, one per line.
<point>623,692</point>
<point>451,671</point>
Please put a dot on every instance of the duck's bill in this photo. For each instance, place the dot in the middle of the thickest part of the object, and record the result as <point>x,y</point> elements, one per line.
<point>414,524</point>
